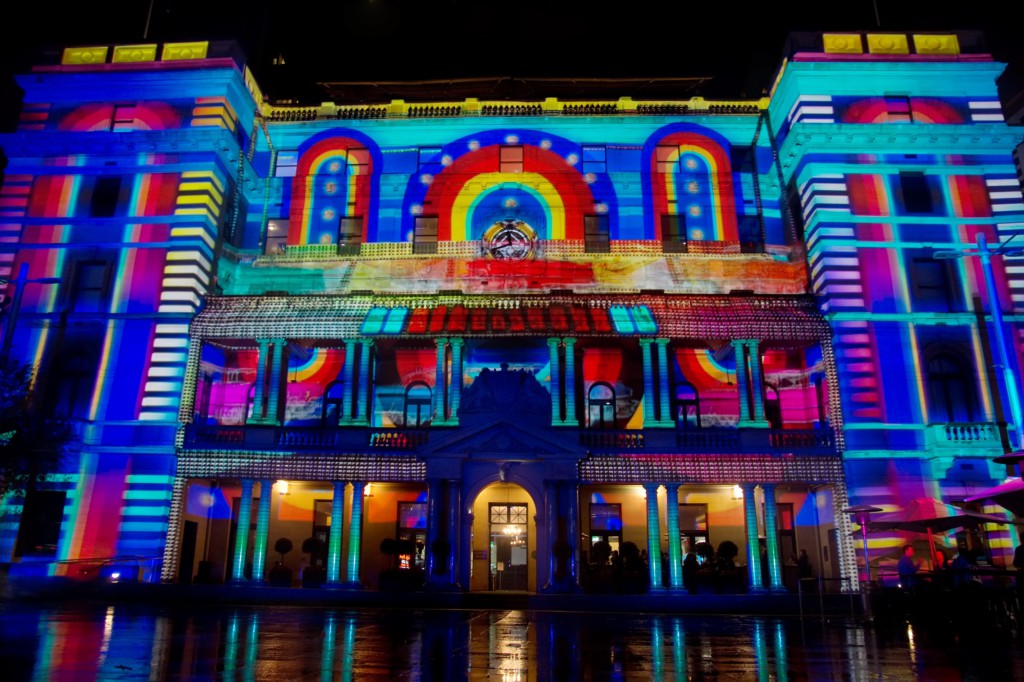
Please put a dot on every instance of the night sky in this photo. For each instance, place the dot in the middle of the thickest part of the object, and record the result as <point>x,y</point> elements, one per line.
<point>737,45</point>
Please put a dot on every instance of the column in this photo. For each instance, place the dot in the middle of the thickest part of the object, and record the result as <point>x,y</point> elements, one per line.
<point>454,534</point>
<point>434,563</point>
<point>456,388</point>
<point>261,379</point>
<point>753,545</point>
<point>665,416</point>
<point>465,549</point>
<point>572,531</point>
<point>438,396</point>
<point>362,397</point>
<point>259,549</point>
<point>653,535</point>
<point>334,536</point>
<point>556,383</point>
<point>740,350</point>
<point>278,360</point>
<point>757,384</point>
<point>648,401</point>
<point>570,383</point>
<point>675,548</point>
<point>349,389</point>
<point>771,537</point>
<point>551,529</point>
<point>355,535</point>
<point>242,532</point>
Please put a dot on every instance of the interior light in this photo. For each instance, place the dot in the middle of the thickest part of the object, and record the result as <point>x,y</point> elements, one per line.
<point>367,492</point>
<point>282,487</point>
<point>737,492</point>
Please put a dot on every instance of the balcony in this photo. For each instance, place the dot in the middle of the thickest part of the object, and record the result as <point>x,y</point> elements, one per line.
<point>361,439</point>
<point>975,436</point>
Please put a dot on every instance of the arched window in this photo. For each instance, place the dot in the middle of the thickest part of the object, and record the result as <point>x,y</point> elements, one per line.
<point>951,389</point>
<point>334,398</point>
<point>601,406</point>
<point>687,406</point>
<point>418,404</point>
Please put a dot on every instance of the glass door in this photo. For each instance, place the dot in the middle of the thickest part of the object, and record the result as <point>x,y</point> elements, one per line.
<point>508,546</point>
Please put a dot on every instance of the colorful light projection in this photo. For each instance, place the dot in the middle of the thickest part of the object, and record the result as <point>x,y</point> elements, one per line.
<point>106,116</point>
<point>900,110</point>
<point>226,379</point>
<point>689,174</point>
<point>335,179</point>
<point>308,378</point>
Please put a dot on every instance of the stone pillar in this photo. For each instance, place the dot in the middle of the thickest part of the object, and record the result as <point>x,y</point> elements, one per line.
<point>355,536</point>
<point>465,549</point>
<point>242,532</point>
<point>675,553</point>
<point>556,383</point>
<point>757,385</point>
<point>665,417</point>
<point>753,545</point>
<point>363,396</point>
<point>334,537</point>
<point>456,387</point>
<point>259,549</point>
<point>349,375</point>
<point>742,386</point>
<point>650,419</point>
<point>551,529</point>
<point>261,380</point>
<point>279,358</point>
<point>434,506</point>
<point>454,532</point>
<point>771,537</point>
<point>439,406</point>
<point>572,531</point>
<point>653,535</point>
<point>570,383</point>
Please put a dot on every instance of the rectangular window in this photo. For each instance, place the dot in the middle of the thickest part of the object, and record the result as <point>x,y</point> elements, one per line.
<point>596,234</point>
<point>105,195</point>
<point>277,236</point>
<point>424,237</point>
<point>594,159</point>
<point>350,236</point>
<point>667,158</point>
<point>90,286</point>
<point>897,109</point>
<point>930,284</point>
<point>124,119</point>
<point>39,529</point>
<point>412,534</point>
<point>429,158</point>
<point>916,193</point>
<point>606,524</point>
<point>673,233</point>
<point>511,159</point>
<point>693,525</point>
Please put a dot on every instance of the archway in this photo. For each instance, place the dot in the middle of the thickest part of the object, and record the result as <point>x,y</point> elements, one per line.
<point>505,535</point>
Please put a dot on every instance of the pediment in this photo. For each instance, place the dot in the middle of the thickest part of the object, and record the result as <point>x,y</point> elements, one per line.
<point>506,438</point>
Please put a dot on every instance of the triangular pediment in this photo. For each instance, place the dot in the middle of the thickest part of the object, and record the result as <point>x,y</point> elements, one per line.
<point>507,438</point>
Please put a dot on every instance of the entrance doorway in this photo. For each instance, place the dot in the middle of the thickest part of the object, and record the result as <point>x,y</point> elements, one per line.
<point>509,545</point>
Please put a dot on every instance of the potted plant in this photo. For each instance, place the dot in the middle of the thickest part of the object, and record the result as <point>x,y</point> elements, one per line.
<point>281,575</point>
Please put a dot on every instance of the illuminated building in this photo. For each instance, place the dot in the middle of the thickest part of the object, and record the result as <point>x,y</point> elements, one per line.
<point>495,333</point>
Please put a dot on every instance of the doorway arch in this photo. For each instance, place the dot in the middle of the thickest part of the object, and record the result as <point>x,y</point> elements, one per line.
<point>505,539</point>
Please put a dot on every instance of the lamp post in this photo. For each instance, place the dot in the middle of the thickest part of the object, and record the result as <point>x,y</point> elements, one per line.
<point>19,283</point>
<point>984,253</point>
<point>862,514</point>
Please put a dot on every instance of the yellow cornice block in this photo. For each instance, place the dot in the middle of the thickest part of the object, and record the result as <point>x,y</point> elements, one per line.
<point>175,51</point>
<point>936,44</point>
<point>85,55</point>
<point>888,43</point>
<point>134,53</point>
<point>843,43</point>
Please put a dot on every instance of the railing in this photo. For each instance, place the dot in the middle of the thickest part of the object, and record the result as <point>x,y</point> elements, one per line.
<point>299,438</point>
<point>960,435</point>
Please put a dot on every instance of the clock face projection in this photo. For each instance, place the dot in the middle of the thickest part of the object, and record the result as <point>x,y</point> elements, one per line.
<point>509,239</point>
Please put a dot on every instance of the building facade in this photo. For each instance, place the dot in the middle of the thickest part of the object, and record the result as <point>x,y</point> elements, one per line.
<point>479,345</point>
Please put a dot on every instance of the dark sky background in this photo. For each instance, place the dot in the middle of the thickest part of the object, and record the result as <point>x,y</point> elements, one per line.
<point>737,44</point>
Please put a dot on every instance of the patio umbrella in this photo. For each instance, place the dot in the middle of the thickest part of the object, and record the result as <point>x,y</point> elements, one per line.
<point>1009,495</point>
<point>928,515</point>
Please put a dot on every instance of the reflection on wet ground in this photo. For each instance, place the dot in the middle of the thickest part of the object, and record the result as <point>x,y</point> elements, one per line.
<point>129,642</point>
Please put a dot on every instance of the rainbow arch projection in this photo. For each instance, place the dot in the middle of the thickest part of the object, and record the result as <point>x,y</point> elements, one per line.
<point>469,191</point>
<point>334,180</point>
<point>101,117</point>
<point>689,172</point>
<point>699,367</point>
<point>322,366</point>
<point>923,110</point>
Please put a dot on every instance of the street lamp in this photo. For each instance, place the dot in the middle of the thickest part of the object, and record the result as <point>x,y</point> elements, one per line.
<point>861,514</point>
<point>984,253</point>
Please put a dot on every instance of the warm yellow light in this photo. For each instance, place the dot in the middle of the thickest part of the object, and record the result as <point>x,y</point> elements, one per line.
<point>282,487</point>
<point>367,492</point>
<point>737,492</point>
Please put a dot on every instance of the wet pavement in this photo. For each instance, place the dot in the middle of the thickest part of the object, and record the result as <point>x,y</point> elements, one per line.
<point>292,643</point>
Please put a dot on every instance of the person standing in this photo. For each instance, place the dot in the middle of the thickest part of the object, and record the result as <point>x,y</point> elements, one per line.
<point>907,568</point>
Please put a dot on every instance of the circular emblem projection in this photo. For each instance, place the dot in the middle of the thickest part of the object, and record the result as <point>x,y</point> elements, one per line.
<point>510,239</point>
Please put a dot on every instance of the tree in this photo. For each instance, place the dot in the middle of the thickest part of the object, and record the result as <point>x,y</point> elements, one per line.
<point>31,446</point>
